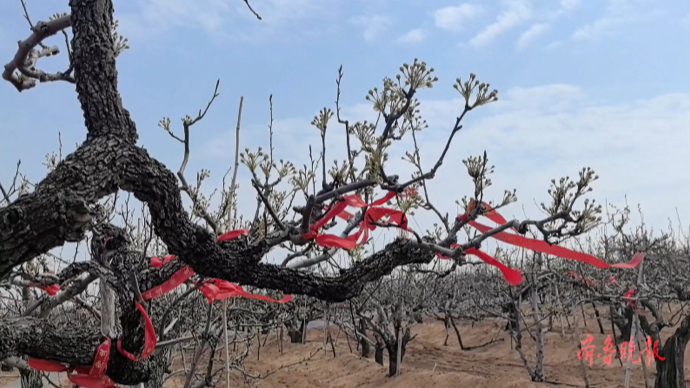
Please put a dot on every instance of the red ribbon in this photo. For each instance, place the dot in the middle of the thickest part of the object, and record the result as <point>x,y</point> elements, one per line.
<point>512,276</point>
<point>221,290</point>
<point>630,295</point>
<point>373,214</point>
<point>88,377</point>
<point>543,246</point>
<point>216,289</point>
<point>157,262</point>
<point>179,277</point>
<point>51,290</point>
<point>233,234</point>
<point>149,338</point>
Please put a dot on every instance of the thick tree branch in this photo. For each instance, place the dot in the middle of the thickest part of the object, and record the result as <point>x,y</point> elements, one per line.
<point>94,68</point>
<point>26,57</point>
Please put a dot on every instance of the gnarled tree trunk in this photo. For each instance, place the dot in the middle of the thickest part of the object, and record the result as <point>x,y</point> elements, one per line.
<point>362,341</point>
<point>296,334</point>
<point>378,351</point>
<point>392,347</point>
<point>670,372</point>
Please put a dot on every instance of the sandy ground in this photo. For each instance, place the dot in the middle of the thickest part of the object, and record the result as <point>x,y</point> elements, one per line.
<point>428,363</point>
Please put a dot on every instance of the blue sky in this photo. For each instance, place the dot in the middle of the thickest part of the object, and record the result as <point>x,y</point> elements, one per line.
<point>600,83</point>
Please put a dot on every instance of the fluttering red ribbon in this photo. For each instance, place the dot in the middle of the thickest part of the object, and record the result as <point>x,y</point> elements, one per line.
<point>630,295</point>
<point>50,290</point>
<point>216,289</point>
<point>543,246</point>
<point>233,234</point>
<point>512,276</point>
<point>372,216</point>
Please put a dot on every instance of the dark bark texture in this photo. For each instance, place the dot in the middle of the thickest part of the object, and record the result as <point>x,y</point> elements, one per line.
<point>295,333</point>
<point>392,347</point>
<point>670,371</point>
<point>362,341</point>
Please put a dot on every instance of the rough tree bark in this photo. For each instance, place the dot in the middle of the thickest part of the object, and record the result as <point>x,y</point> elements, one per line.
<point>363,342</point>
<point>378,351</point>
<point>296,334</point>
<point>670,371</point>
<point>29,378</point>
<point>391,345</point>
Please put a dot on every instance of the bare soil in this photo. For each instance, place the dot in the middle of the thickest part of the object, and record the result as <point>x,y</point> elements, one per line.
<point>427,362</point>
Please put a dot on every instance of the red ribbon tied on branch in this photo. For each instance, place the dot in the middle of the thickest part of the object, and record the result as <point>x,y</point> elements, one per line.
<point>83,376</point>
<point>214,289</point>
<point>543,246</point>
<point>149,338</point>
<point>51,289</point>
<point>372,216</point>
<point>513,276</point>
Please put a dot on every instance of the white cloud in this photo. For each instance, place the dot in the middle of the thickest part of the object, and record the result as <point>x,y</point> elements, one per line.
<point>413,36</point>
<point>595,30</point>
<point>570,4</point>
<point>515,13</point>
<point>454,18</point>
<point>532,33</point>
<point>617,14</point>
<point>565,7</point>
<point>554,44</point>
<point>372,26</point>
<point>535,134</point>
<point>166,14</point>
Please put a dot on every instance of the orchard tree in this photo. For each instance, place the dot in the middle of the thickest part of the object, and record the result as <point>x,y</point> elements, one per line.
<point>295,207</point>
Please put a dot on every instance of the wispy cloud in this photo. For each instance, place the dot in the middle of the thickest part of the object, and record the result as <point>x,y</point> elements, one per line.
<point>372,26</point>
<point>532,33</point>
<point>515,13</point>
<point>416,35</point>
<point>144,19</point>
<point>595,30</point>
<point>617,14</point>
<point>151,16</point>
<point>567,5</point>
<point>454,18</point>
<point>553,45</point>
